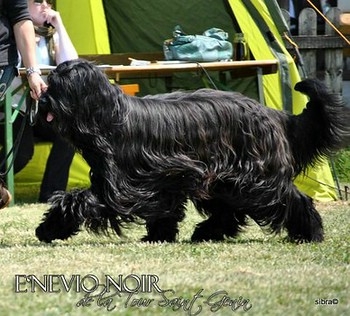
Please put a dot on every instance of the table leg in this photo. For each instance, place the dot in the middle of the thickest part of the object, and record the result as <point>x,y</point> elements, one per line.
<point>259,77</point>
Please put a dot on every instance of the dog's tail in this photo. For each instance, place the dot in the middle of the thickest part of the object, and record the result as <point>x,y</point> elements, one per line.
<point>321,129</point>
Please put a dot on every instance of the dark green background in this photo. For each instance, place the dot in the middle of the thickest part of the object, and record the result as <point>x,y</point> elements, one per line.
<point>142,26</point>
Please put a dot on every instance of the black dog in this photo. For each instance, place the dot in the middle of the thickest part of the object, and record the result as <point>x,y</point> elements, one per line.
<point>231,156</point>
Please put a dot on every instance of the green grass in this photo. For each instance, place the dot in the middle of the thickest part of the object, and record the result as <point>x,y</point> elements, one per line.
<point>278,278</point>
<point>342,165</point>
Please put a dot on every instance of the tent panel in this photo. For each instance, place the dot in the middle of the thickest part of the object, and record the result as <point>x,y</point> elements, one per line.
<point>260,50</point>
<point>142,26</point>
<point>86,25</point>
<point>139,26</point>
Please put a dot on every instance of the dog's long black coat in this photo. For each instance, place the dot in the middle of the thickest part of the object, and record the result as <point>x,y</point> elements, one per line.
<point>231,156</point>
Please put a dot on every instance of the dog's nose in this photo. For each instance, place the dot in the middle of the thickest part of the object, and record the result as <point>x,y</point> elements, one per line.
<point>43,100</point>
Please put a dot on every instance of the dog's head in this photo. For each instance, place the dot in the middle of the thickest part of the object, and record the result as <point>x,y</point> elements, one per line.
<point>78,97</point>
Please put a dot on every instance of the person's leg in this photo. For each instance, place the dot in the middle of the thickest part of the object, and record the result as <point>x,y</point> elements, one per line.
<point>58,163</point>
<point>57,169</point>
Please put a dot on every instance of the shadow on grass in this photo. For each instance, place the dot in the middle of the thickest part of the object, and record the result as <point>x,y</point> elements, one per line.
<point>122,242</point>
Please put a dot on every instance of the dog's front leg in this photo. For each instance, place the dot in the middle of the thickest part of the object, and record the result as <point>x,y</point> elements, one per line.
<point>68,211</point>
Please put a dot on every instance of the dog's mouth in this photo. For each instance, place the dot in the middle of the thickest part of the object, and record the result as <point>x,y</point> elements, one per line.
<point>49,117</point>
<point>44,107</point>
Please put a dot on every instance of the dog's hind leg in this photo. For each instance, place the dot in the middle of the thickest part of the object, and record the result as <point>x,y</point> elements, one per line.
<point>223,221</point>
<point>303,222</point>
<point>295,213</point>
<point>161,230</point>
<point>162,226</point>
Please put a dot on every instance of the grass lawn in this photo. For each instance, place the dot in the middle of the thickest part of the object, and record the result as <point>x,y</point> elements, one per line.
<point>277,278</point>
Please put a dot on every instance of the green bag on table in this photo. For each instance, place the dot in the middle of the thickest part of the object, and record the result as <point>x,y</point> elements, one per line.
<point>211,46</point>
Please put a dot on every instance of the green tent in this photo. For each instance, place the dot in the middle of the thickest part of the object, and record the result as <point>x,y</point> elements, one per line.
<point>124,26</point>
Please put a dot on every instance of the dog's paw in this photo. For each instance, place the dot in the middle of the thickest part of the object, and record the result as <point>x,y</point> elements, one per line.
<point>40,234</point>
<point>302,239</point>
<point>200,235</point>
<point>44,234</point>
<point>149,239</point>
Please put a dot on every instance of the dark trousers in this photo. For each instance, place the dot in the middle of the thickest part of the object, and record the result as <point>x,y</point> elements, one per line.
<point>58,163</point>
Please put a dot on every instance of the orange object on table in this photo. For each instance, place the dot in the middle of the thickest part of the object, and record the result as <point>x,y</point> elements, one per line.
<point>130,89</point>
